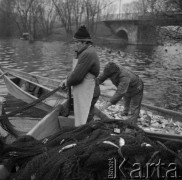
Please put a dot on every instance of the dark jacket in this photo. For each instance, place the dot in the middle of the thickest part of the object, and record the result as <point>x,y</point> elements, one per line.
<point>127,83</point>
<point>88,62</point>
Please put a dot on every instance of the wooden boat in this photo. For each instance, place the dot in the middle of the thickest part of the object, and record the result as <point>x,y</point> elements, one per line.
<point>166,113</point>
<point>12,79</point>
<point>25,36</point>
<point>58,122</point>
<point>29,87</point>
<point>47,126</point>
<point>52,123</point>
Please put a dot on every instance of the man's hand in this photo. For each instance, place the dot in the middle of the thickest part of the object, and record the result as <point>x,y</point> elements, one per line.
<point>105,106</point>
<point>63,84</point>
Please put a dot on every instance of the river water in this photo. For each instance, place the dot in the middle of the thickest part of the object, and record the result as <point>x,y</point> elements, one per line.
<point>160,67</point>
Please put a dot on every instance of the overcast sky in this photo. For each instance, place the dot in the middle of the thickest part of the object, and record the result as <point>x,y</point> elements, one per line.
<point>117,2</point>
<point>126,1</point>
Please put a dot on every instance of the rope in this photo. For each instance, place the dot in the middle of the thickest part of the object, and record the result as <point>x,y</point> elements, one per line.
<point>24,108</point>
<point>7,126</point>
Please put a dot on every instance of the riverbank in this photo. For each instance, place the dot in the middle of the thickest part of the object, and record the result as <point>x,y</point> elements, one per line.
<point>102,35</point>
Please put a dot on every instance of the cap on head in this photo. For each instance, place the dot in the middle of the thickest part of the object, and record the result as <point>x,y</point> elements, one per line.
<point>111,67</point>
<point>82,34</point>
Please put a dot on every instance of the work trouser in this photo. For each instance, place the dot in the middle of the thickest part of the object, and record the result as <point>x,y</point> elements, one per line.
<point>133,103</point>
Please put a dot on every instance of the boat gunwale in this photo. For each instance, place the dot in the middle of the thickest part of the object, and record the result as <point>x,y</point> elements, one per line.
<point>42,105</point>
<point>31,74</point>
<point>37,84</point>
<point>151,134</point>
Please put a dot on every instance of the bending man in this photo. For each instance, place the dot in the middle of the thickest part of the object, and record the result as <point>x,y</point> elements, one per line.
<point>129,87</point>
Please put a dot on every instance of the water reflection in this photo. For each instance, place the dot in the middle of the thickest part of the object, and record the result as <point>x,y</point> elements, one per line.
<point>160,67</point>
<point>49,59</point>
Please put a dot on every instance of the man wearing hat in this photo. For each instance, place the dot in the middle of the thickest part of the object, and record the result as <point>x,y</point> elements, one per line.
<point>129,87</point>
<point>86,68</point>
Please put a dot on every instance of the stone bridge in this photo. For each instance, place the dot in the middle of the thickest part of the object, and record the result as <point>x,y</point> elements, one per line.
<point>138,29</point>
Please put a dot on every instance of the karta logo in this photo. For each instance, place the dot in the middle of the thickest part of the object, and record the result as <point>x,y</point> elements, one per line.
<point>139,171</point>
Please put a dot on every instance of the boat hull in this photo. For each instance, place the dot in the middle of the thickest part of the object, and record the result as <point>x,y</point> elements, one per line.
<point>20,94</point>
<point>24,96</point>
<point>47,126</point>
<point>47,104</point>
<point>153,135</point>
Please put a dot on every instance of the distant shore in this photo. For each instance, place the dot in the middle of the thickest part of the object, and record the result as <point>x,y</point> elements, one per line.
<point>102,34</point>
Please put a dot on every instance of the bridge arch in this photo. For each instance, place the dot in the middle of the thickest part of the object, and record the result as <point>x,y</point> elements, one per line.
<point>122,33</point>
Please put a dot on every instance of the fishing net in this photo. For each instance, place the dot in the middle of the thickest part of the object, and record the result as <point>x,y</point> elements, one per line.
<point>22,107</point>
<point>1,145</point>
<point>85,152</point>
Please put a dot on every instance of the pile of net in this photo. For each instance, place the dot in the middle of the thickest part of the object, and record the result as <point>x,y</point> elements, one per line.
<point>97,150</point>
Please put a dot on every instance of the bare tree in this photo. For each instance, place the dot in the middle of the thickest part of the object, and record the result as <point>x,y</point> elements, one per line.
<point>73,13</point>
<point>47,17</point>
<point>35,17</point>
<point>170,9</point>
<point>78,13</point>
<point>91,13</point>
<point>23,10</point>
<point>64,10</point>
<point>7,26</point>
<point>160,9</point>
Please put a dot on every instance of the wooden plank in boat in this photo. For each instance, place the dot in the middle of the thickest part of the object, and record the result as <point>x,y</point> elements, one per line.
<point>66,121</point>
<point>47,126</point>
<point>164,136</point>
<point>23,124</point>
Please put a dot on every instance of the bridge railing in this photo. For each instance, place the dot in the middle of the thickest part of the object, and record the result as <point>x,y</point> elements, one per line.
<point>140,16</point>
<point>122,16</point>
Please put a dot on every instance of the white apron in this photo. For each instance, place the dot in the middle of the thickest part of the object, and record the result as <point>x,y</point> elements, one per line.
<point>82,97</point>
